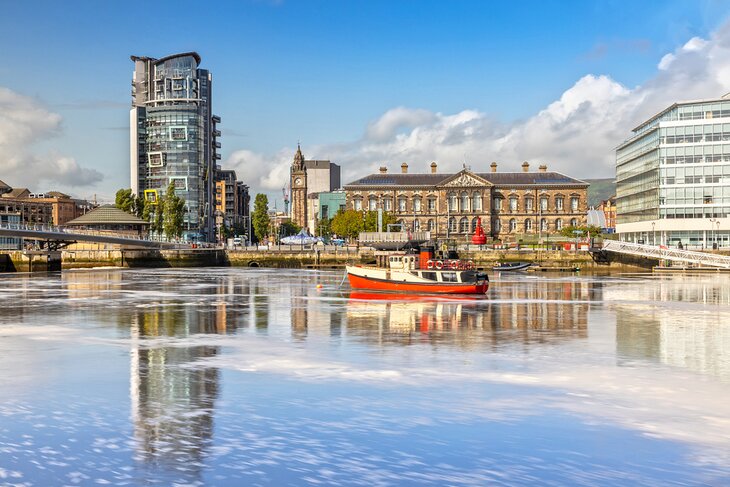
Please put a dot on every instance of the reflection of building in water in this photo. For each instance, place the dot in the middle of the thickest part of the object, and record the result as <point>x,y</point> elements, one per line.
<point>694,338</point>
<point>172,397</point>
<point>518,310</point>
<point>311,316</point>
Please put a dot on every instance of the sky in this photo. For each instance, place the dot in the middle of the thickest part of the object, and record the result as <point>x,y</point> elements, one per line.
<point>362,83</point>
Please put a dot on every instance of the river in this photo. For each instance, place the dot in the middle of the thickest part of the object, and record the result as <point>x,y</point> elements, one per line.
<point>272,377</point>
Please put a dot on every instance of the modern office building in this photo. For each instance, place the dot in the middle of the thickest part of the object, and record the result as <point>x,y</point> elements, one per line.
<point>673,177</point>
<point>174,137</point>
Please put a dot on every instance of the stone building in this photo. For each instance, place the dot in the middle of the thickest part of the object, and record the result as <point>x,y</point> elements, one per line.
<point>511,205</point>
<point>308,179</point>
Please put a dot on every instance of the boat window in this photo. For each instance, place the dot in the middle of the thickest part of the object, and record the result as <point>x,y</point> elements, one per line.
<point>431,276</point>
<point>449,277</point>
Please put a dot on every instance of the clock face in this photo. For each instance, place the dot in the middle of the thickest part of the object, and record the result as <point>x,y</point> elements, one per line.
<point>298,181</point>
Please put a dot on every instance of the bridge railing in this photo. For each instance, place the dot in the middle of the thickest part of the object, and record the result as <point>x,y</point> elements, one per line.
<point>665,253</point>
<point>68,231</point>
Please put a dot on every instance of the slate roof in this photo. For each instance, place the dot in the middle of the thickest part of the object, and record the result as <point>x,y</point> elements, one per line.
<point>496,178</point>
<point>4,187</point>
<point>17,193</point>
<point>107,215</point>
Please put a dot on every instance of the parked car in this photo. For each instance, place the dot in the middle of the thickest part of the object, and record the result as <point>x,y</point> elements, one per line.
<point>338,241</point>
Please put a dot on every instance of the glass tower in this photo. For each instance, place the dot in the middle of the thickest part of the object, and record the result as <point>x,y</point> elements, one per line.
<point>673,177</point>
<point>173,137</point>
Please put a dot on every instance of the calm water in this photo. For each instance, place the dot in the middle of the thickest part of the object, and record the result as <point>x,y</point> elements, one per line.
<point>259,377</point>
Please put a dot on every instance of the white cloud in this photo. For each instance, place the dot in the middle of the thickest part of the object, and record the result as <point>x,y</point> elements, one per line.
<point>24,123</point>
<point>576,134</point>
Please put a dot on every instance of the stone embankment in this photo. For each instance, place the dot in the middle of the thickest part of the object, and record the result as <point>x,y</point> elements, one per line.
<point>288,258</point>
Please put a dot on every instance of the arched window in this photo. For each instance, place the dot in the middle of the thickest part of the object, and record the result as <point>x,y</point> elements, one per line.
<point>476,201</point>
<point>543,225</point>
<point>372,203</point>
<point>452,225</point>
<point>464,225</point>
<point>416,203</point>
<point>357,204</point>
<point>513,203</point>
<point>464,201</point>
<point>559,203</point>
<point>401,204</point>
<point>528,225</point>
<point>416,226</point>
<point>474,224</point>
<point>512,225</point>
<point>453,202</point>
<point>559,224</point>
<point>573,222</point>
<point>431,226</point>
<point>528,204</point>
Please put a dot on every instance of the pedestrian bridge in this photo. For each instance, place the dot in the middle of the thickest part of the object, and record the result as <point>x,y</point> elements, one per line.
<point>58,237</point>
<point>664,253</point>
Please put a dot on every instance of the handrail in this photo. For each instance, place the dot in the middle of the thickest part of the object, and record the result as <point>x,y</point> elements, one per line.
<point>666,253</point>
<point>64,231</point>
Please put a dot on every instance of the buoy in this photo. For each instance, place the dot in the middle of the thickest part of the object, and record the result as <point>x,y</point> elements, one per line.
<point>319,286</point>
<point>439,264</point>
<point>429,264</point>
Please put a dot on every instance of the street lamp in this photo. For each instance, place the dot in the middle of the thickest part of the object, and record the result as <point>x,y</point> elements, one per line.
<point>712,229</point>
<point>653,235</point>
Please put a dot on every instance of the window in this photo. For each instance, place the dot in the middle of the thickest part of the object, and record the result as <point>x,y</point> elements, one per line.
<point>573,222</point>
<point>180,183</point>
<point>155,159</point>
<point>497,204</point>
<point>372,203</point>
<point>497,225</point>
<point>452,202</point>
<point>476,202</point>
<point>357,204</point>
<point>543,225</point>
<point>431,205</point>
<point>474,224</point>
<point>416,226</point>
<point>464,225</point>
<point>325,212</point>
<point>431,226</point>
<point>416,204</point>
<point>513,204</point>
<point>387,204</point>
<point>178,133</point>
<point>528,225</point>
<point>512,225</point>
<point>449,277</point>
<point>402,204</point>
<point>558,224</point>
<point>452,225</point>
<point>573,204</point>
<point>464,201</point>
<point>544,203</point>
<point>528,204</point>
<point>558,203</point>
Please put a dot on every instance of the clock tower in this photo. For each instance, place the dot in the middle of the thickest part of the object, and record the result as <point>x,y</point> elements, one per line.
<point>298,183</point>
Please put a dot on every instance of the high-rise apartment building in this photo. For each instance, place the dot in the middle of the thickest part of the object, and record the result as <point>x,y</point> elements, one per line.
<point>232,204</point>
<point>174,135</point>
<point>673,177</point>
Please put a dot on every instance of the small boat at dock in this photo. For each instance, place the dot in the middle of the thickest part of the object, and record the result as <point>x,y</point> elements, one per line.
<point>419,273</point>
<point>511,266</point>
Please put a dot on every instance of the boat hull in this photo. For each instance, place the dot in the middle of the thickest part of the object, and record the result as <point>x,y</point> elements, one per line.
<point>375,284</point>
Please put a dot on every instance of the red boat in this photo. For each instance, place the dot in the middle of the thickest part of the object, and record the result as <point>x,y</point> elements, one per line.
<point>419,273</point>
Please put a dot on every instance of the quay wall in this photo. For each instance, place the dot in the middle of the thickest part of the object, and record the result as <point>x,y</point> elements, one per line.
<point>18,261</point>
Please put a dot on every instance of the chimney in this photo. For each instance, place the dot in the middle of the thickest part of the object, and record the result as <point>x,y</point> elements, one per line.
<point>542,168</point>
<point>433,167</point>
<point>383,169</point>
<point>525,166</point>
<point>404,168</point>
<point>494,167</point>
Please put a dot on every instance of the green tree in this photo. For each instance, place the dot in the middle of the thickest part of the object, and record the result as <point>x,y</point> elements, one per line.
<point>347,224</point>
<point>260,217</point>
<point>174,212</point>
<point>147,210</point>
<point>371,221</point>
<point>569,231</point>
<point>139,206</point>
<point>158,218</point>
<point>324,228</point>
<point>289,228</point>
<point>124,200</point>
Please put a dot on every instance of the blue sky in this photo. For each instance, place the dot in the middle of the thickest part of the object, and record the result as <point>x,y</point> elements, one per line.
<point>324,72</point>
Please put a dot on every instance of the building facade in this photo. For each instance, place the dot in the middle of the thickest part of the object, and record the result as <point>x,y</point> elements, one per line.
<point>673,177</point>
<point>174,137</point>
<point>232,202</point>
<point>307,180</point>
<point>608,207</point>
<point>511,205</point>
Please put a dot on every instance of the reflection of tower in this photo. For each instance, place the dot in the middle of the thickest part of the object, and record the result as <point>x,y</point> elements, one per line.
<point>299,189</point>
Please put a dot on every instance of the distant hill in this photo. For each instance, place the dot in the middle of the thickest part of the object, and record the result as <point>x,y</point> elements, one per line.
<point>599,190</point>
